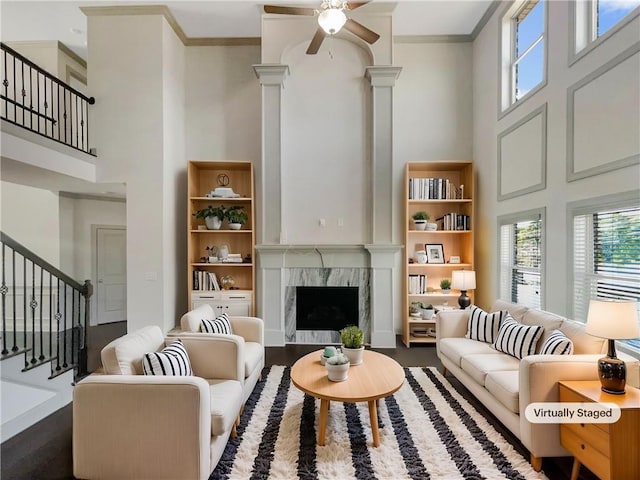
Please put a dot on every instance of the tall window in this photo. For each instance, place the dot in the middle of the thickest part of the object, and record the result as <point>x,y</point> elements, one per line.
<point>596,19</point>
<point>606,259</point>
<point>521,250</point>
<point>523,45</point>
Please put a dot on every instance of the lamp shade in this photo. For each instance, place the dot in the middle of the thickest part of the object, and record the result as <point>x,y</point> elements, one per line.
<point>331,20</point>
<point>613,319</point>
<point>463,279</point>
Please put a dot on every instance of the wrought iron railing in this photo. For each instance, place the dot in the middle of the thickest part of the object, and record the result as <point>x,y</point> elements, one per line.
<point>38,101</point>
<point>45,313</point>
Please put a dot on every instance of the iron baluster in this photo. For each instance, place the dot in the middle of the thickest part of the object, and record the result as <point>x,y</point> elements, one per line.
<point>50,315</point>
<point>33,304</point>
<point>73,317</point>
<point>58,317</point>
<point>24,305</point>
<point>15,105</point>
<point>41,357</point>
<point>3,291</point>
<point>64,329</point>
<point>15,334</point>
<point>31,98</point>
<point>23,93</point>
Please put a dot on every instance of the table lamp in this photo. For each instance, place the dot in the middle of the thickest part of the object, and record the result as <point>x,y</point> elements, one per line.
<point>463,280</point>
<point>613,320</point>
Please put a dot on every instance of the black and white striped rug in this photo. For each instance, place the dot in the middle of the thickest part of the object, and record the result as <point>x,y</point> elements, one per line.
<point>427,431</point>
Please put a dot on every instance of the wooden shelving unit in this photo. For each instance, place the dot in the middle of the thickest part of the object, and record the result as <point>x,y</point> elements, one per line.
<point>203,177</point>
<point>454,242</point>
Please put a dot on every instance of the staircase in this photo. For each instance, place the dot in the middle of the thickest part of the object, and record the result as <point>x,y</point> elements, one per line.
<point>45,314</point>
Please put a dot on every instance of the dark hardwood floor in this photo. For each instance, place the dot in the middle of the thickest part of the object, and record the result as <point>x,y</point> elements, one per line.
<point>43,452</point>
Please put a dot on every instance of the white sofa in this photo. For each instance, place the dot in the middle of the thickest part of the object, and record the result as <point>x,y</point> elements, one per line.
<point>506,385</point>
<point>247,330</point>
<point>127,425</point>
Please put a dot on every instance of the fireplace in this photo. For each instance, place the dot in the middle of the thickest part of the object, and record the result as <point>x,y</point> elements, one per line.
<point>326,308</point>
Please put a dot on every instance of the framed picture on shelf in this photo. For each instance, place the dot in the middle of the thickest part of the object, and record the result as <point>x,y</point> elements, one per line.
<point>454,259</point>
<point>435,252</point>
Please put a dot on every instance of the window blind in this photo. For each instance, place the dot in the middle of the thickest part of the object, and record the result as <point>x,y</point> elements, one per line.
<point>520,262</point>
<point>606,259</point>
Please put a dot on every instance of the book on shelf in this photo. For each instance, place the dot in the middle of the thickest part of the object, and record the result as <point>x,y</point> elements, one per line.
<point>417,284</point>
<point>205,280</point>
<point>434,189</point>
<point>454,221</point>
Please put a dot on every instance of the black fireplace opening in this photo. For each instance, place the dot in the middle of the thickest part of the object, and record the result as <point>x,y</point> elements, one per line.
<point>326,308</point>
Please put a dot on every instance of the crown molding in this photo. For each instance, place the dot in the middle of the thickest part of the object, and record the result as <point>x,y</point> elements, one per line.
<point>223,41</point>
<point>432,39</point>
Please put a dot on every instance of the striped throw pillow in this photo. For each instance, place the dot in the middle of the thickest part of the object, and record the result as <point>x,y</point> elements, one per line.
<point>172,360</point>
<point>516,339</point>
<point>484,326</point>
<point>557,344</point>
<point>220,324</point>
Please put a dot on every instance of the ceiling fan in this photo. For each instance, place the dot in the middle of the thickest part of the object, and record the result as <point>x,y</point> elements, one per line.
<point>331,18</point>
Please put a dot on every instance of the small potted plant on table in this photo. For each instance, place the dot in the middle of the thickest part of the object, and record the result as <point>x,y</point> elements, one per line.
<point>353,345</point>
<point>337,367</point>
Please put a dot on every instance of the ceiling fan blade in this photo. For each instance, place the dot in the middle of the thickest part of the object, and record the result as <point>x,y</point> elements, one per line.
<point>354,5</point>
<point>289,10</point>
<point>316,41</point>
<point>361,31</point>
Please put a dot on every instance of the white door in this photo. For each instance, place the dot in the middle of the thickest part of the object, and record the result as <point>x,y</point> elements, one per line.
<point>111,269</point>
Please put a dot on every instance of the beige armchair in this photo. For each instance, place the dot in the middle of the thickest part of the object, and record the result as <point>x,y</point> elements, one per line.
<point>127,425</point>
<point>248,329</point>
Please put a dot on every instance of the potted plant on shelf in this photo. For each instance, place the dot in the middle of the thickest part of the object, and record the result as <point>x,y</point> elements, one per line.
<point>445,285</point>
<point>353,345</point>
<point>415,309</point>
<point>236,217</point>
<point>337,367</point>
<point>420,220</point>
<point>213,216</point>
<point>427,311</point>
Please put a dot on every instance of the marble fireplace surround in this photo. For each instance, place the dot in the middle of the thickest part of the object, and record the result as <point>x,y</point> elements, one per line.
<point>281,268</point>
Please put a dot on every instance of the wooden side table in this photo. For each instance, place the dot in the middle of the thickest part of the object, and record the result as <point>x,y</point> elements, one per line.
<point>610,450</point>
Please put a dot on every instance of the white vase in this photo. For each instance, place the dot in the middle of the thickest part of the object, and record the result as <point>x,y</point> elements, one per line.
<point>354,355</point>
<point>213,223</point>
<point>427,313</point>
<point>235,226</point>
<point>420,256</point>
<point>337,373</point>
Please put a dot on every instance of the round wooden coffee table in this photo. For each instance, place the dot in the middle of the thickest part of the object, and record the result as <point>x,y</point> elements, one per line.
<point>378,376</point>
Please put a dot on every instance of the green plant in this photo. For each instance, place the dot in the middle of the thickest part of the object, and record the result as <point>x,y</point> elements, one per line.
<point>236,214</point>
<point>210,211</point>
<point>421,215</point>
<point>351,337</point>
<point>445,284</point>
<point>415,307</point>
<point>339,359</point>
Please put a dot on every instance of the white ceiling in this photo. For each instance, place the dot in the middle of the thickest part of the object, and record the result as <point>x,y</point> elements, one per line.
<point>24,20</point>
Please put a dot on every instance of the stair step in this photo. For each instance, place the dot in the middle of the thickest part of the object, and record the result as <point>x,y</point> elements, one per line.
<point>57,373</point>
<point>31,364</point>
<point>14,353</point>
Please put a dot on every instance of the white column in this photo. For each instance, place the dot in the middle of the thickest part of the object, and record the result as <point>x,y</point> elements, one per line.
<point>269,172</point>
<point>384,299</point>
<point>384,278</point>
<point>382,81</point>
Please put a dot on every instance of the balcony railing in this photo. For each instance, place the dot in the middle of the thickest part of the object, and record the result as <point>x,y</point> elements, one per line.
<point>32,98</point>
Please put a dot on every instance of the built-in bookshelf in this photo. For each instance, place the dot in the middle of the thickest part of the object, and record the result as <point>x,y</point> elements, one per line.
<point>443,189</point>
<point>221,262</point>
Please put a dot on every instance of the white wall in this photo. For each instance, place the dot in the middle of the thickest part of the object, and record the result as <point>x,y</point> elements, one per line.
<point>174,177</point>
<point>325,146</point>
<point>30,217</point>
<point>222,103</point>
<point>128,121</point>
<point>433,109</point>
<point>487,127</point>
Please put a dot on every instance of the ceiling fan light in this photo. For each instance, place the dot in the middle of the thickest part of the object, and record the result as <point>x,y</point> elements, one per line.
<point>331,20</point>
